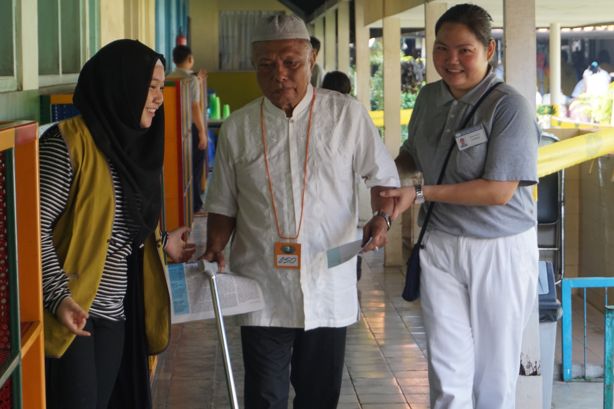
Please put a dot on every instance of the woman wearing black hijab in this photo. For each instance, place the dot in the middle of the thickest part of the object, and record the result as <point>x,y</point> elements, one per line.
<point>105,296</point>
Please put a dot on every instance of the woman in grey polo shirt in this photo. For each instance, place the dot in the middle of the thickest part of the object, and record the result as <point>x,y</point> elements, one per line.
<point>479,260</point>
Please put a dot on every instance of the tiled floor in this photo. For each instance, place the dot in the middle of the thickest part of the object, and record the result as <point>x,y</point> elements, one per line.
<point>385,355</point>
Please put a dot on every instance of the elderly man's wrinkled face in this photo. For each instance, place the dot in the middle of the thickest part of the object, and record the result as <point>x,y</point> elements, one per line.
<point>283,68</point>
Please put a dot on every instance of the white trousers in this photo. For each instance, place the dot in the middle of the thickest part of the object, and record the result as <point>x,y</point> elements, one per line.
<point>477,296</point>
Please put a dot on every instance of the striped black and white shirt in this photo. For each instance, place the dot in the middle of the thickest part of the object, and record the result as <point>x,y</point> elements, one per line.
<point>56,176</point>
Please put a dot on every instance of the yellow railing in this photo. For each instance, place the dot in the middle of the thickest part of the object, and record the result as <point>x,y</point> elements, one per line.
<point>572,151</point>
<point>560,122</point>
<point>378,117</point>
<point>555,156</point>
<point>378,120</point>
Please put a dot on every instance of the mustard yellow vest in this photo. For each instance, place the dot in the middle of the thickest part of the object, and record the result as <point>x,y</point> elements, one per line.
<point>81,238</point>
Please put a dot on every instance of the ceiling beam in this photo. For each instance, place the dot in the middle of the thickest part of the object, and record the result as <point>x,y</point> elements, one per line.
<point>377,10</point>
<point>322,9</point>
<point>294,8</point>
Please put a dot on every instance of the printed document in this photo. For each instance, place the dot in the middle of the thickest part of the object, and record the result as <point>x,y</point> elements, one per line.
<point>189,285</point>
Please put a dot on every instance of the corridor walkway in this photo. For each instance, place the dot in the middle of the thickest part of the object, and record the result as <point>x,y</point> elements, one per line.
<point>385,356</point>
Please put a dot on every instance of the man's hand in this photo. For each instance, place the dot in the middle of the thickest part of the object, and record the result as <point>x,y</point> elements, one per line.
<point>403,197</point>
<point>219,230</point>
<point>177,247</point>
<point>202,140</point>
<point>375,233</point>
<point>215,256</point>
<point>72,316</point>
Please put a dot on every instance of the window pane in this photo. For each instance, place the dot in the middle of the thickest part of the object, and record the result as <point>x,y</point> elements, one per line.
<point>71,36</point>
<point>48,41</point>
<point>6,39</point>
<point>236,28</point>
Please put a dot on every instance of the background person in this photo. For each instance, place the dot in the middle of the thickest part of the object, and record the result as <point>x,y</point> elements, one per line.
<point>316,71</point>
<point>184,62</point>
<point>337,81</point>
<point>104,292</point>
<point>568,75</point>
<point>283,185</point>
<point>596,80</point>
<point>479,260</point>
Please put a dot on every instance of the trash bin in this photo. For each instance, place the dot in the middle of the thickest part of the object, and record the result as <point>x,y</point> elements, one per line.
<point>549,313</point>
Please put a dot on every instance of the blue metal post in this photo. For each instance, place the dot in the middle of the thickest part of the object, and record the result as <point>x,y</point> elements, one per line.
<point>566,333</point>
<point>608,345</point>
<point>585,336</point>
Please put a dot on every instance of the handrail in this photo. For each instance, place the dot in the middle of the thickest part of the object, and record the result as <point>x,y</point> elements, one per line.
<point>555,156</point>
<point>572,151</point>
<point>378,117</point>
<point>567,123</point>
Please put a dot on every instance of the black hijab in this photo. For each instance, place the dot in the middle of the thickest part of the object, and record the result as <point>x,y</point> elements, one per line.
<point>111,93</point>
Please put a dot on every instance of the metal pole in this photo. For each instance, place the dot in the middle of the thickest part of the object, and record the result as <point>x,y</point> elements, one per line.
<point>585,338</point>
<point>566,328</point>
<point>562,226</point>
<point>221,331</point>
<point>608,375</point>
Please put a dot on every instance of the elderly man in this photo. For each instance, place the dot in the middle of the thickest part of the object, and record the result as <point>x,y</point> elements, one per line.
<point>283,184</point>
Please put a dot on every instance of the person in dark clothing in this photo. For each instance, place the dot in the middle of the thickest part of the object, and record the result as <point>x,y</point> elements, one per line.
<point>316,70</point>
<point>337,81</point>
<point>104,291</point>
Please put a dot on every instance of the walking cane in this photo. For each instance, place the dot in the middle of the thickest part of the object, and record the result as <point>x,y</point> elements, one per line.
<point>221,331</point>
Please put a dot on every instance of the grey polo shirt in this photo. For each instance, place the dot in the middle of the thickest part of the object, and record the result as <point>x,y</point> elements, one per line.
<point>181,73</point>
<point>509,154</point>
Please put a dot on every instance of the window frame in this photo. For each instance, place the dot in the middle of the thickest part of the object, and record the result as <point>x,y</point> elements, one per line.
<point>83,34</point>
<point>9,82</point>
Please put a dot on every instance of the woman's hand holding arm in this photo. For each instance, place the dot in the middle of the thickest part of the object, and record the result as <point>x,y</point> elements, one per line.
<point>376,229</point>
<point>478,192</point>
<point>403,197</point>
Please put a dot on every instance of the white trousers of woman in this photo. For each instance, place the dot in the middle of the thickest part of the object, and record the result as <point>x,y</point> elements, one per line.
<point>477,296</point>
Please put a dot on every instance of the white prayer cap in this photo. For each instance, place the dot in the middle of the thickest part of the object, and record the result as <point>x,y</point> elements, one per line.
<point>280,27</point>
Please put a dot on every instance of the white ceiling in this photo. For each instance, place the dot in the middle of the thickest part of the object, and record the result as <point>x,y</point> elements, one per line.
<point>569,13</point>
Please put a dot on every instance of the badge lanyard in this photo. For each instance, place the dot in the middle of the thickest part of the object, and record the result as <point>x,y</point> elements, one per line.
<point>288,253</point>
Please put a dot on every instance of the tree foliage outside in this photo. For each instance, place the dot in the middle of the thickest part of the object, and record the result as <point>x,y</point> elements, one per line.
<point>412,80</point>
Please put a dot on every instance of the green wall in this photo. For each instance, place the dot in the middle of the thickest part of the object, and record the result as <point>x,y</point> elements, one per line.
<point>19,105</point>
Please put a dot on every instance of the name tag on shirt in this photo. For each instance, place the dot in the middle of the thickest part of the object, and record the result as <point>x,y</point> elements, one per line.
<point>287,255</point>
<point>468,137</point>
